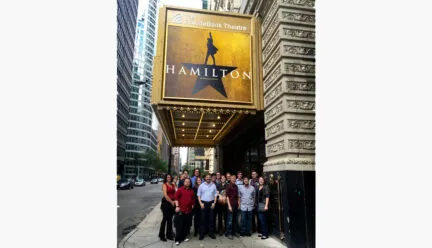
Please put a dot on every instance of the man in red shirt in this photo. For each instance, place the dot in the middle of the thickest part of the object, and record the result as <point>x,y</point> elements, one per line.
<point>233,204</point>
<point>184,201</point>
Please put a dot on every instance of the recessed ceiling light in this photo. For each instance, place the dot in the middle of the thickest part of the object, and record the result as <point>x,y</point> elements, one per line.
<point>183,123</point>
<point>218,117</point>
<point>183,135</point>
<point>182,130</point>
<point>183,115</point>
<point>207,135</point>
<point>210,130</point>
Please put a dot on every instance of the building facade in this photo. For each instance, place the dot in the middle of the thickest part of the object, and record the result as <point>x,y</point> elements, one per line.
<point>288,55</point>
<point>140,135</point>
<point>126,23</point>
<point>279,142</point>
<point>163,147</point>
<point>175,160</point>
<point>222,5</point>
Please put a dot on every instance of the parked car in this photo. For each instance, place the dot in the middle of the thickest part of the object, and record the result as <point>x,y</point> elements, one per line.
<point>154,181</point>
<point>160,180</point>
<point>140,182</point>
<point>124,184</point>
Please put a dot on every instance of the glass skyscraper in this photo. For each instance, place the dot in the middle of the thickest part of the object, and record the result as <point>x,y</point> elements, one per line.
<point>126,23</point>
<point>140,136</point>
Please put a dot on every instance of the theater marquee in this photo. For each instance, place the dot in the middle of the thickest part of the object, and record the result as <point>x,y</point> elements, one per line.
<point>207,60</point>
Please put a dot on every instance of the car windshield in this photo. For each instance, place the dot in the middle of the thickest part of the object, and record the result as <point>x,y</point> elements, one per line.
<point>140,180</point>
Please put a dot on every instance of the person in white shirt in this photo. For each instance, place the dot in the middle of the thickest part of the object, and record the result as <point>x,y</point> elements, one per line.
<point>207,195</point>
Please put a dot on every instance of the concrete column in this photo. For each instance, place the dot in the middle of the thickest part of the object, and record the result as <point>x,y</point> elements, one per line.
<point>288,55</point>
<point>288,42</point>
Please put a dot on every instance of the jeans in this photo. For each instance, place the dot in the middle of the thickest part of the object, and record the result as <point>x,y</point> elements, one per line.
<point>262,216</point>
<point>231,222</point>
<point>246,222</point>
<point>182,223</point>
<point>255,221</point>
<point>207,219</point>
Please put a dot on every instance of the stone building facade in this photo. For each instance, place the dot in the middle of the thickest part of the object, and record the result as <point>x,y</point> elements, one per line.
<point>288,55</point>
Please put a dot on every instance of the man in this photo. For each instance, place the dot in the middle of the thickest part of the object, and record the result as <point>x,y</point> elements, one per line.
<point>247,202</point>
<point>196,174</point>
<point>207,194</point>
<point>213,178</point>
<point>239,180</point>
<point>228,177</point>
<point>185,175</point>
<point>184,201</point>
<point>232,195</point>
<point>218,178</point>
<point>255,183</point>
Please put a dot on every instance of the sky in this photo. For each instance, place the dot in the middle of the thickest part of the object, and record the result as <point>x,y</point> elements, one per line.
<point>183,3</point>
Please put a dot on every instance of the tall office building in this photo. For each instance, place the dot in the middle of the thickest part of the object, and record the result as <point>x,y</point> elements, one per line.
<point>126,23</point>
<point>140,135</point>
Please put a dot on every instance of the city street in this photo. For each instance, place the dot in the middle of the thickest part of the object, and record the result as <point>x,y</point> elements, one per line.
<point>134,205</point>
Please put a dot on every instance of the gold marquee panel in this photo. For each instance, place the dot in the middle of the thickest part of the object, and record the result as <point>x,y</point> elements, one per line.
<point>207,74</point>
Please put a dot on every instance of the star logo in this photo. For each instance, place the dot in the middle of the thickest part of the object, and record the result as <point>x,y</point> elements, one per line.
<point>211,75</point>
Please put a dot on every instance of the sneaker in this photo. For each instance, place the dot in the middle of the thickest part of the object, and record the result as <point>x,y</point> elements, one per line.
<point>170,238</point>
<point>212,236</point>
<point>201,237</point>
<point>186,240</point>
<point>163,239</point>
<point>177,243</point>
<point>230,237</point>
<point>264,237</point>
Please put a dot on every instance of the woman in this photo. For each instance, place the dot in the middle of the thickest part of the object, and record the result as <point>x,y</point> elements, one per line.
<point>167,207</point>
<point>175,181</point>
<point>197,209</point>
<point>263,196</point>
<point>221,209</point>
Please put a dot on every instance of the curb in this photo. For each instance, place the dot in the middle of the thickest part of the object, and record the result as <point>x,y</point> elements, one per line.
<point>131,233</point>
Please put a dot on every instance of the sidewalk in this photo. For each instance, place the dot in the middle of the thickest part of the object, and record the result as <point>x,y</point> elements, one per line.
<point>146,235</point>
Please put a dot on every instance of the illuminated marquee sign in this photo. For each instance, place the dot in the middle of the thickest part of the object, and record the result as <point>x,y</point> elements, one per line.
<point>208,57</point>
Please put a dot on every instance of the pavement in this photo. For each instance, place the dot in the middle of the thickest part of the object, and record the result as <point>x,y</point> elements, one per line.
<point>134,205</point>
<point>146,235</point>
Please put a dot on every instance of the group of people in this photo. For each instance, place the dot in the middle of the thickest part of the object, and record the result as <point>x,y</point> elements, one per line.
<point>210,199</point>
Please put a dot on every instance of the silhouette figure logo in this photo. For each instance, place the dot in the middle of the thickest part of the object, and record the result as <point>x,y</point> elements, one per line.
<point>209,75</point>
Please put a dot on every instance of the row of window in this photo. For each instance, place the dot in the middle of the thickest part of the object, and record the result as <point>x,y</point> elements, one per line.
<point>139,133</point>
<point>140,126</point>
<point>142,119</point>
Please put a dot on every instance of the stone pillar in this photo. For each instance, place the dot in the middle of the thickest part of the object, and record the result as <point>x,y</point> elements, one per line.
<point>288,55</point>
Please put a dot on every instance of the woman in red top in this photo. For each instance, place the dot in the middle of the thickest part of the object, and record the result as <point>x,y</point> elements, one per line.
<point>167,207</point>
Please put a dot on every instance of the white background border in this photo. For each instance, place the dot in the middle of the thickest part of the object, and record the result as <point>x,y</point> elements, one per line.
<point>58,128</point>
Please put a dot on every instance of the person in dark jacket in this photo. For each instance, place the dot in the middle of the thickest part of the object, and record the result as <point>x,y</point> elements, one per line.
<point>221,206</point>
<point>262,198</point>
